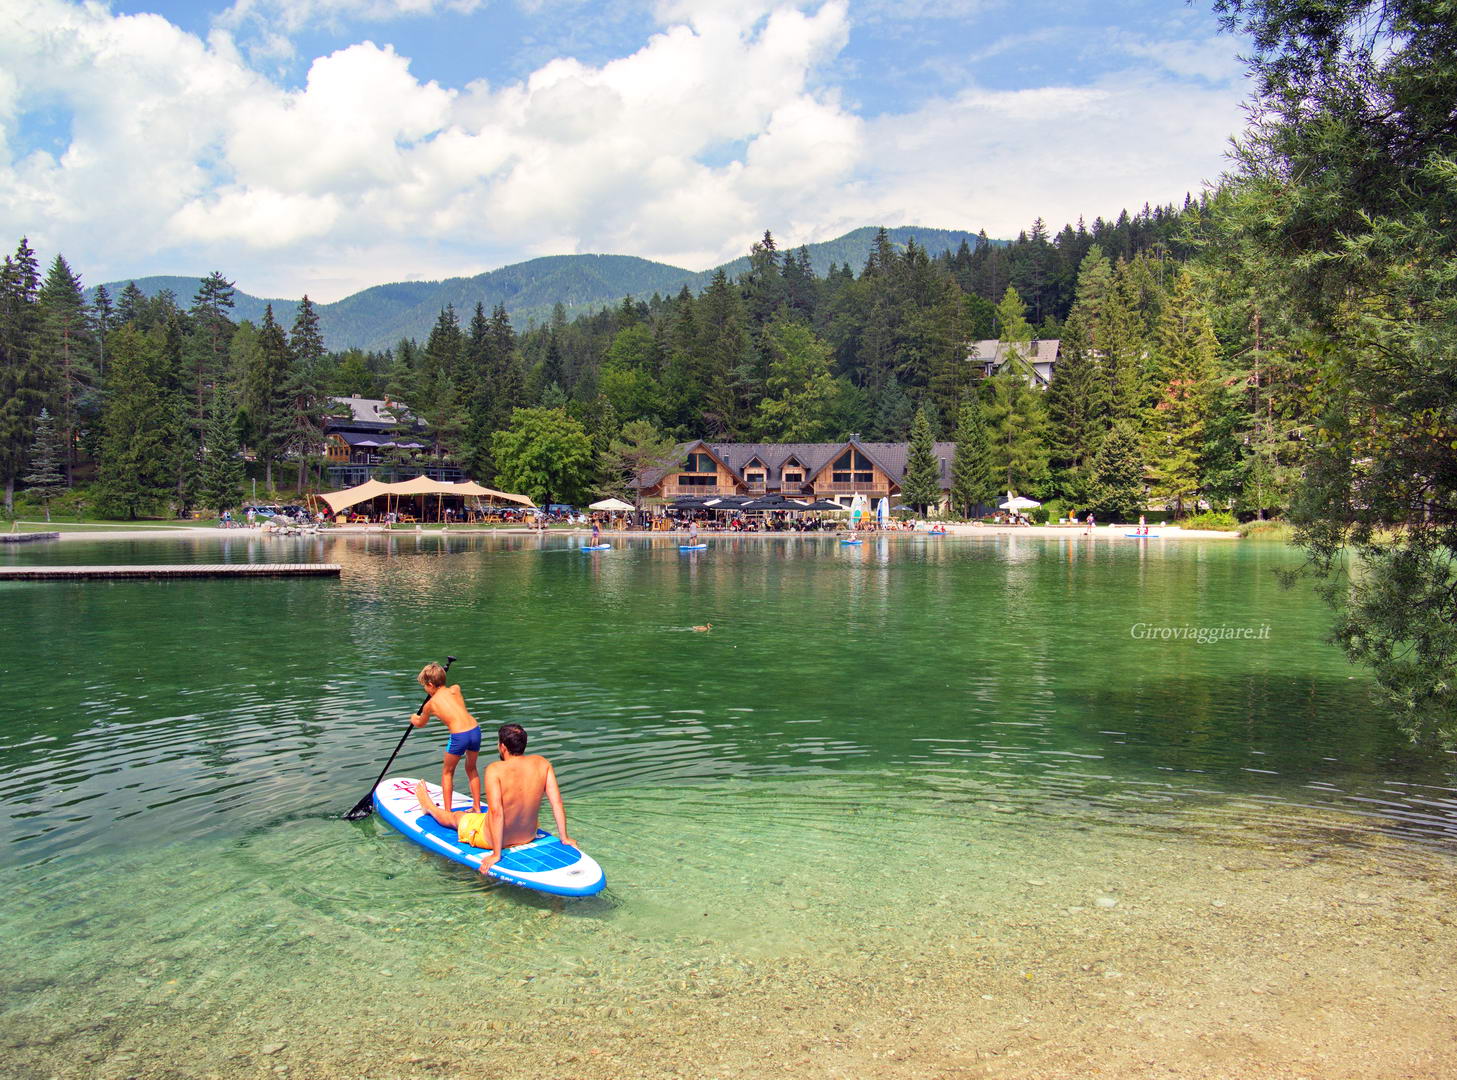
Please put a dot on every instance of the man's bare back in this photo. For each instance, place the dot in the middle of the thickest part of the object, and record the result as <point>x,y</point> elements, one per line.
<point>515,786</point>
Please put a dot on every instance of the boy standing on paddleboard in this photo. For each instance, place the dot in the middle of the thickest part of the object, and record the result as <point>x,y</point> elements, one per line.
<point>515,786</point>
<point>447,704</point>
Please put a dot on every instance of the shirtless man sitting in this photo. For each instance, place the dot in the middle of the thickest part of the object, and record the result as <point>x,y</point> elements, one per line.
<point>514,789</point>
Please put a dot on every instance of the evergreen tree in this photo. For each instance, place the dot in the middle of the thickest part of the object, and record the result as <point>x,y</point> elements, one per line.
<point>25,386</point>
<point>1185,352</point>
<point>800,392</point>
<point>131,305</point>
<point>1017,422</point>
<point>725,358</point>
<point>212,337</point>
<point>638,452</point>
<point>137,469</point>
<point>922,484</point>
<point>222,474</point>
<point>1117,486</point>
<point>973,479</point>
<point>266,402</point>
<point>893,415</point>
<point>1077,409</point>
<point>102,316</point>
<point>65,349</point>
<point>45,478</point>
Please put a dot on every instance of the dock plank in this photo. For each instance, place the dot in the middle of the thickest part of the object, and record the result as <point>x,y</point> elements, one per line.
<point>195,570</point>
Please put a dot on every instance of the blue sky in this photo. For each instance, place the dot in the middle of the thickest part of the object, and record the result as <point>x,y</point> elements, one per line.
<point>326,145</point>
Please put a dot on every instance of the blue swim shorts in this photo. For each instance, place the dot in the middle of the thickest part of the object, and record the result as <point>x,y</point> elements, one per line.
<point>461,741</point>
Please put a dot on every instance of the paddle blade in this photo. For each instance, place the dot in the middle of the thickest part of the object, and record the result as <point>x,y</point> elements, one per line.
<point>362,809</point>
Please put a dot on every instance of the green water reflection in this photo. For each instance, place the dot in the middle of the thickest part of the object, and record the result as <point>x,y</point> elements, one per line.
<point>177,754</point>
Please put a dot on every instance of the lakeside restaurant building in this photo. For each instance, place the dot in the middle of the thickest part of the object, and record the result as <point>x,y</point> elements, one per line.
<point>834,471</point>
<point>355,444</point>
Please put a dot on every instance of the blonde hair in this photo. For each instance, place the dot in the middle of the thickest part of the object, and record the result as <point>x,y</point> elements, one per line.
<point>431,675</point>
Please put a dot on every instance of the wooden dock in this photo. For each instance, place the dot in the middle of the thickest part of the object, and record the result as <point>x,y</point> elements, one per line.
<point>25,538</point>
<point>198,570</point>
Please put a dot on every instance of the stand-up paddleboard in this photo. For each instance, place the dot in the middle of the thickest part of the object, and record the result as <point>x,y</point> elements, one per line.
<point>852,541</point>
<point>1142,536</point>
<point>692,547</point>
<point>935,532</point>
<point>546,864</point>
<point>596,547</point>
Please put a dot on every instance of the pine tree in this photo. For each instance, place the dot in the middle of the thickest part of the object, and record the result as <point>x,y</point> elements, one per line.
<point>137,469</point>
<point>212,334</point>
<point>973,480</point>
<point>64,347</point>
<point>222,473</point>
<point>1077,410</point>
<point>24,384</point>
<point>1185,357</point>
<point>1117,485</point>
<point>922,484</point>
<point>1017,421</point>
<point>266,402</point>
<point>638,451</point>
<point>45,478</point>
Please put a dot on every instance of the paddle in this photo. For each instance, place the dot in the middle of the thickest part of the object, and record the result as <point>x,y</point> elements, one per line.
<point>365,806</point>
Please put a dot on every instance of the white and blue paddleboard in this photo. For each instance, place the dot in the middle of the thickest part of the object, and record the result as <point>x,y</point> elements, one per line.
<point>1142,536</point>
<point>692,547</point>
<point>851,543</point>
<point>545,864</point>
<point>596,547</point>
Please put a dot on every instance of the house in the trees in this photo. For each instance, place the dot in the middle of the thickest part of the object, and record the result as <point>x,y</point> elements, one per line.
<point>373,438</point>
<point>834,471</point>
<point>1039,355</point>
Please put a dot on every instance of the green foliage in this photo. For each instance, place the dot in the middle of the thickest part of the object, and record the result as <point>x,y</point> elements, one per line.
<point>639,452</point>
<point>973,476</point>
<point>1017,420</point>
<point>220,478</point>
<point>24,379</point>
<point>1344,199</point>
<point>545,455</point>
<point>137,471</point>
<point>800,393</point>
<point>45,478</point>
<point>1117,489</point>
<point>921,487</point>
<point>1218,520</point>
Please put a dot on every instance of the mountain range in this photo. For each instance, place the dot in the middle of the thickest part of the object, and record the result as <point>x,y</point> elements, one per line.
<point>378,317</point>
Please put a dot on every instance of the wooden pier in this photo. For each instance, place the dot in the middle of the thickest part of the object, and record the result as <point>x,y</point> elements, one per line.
<point>199,570</point>
<point>25,538</point>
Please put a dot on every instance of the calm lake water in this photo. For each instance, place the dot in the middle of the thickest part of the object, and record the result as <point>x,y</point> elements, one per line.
<point>866,733</point>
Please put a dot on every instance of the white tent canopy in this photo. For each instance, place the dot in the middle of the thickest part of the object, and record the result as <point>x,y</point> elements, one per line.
<point>420,485</point>
<point>615,505</point>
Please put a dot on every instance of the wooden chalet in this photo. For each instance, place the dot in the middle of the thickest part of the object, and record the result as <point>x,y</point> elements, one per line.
<point>834,471</point>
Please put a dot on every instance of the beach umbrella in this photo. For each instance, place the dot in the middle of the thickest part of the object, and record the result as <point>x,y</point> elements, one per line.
<point>1017,502</point>
<point>615,505</point>
<point>826,504</point>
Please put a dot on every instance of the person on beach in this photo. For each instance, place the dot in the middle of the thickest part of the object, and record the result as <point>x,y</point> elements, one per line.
<point>448,705</point>
<point>515,786</point>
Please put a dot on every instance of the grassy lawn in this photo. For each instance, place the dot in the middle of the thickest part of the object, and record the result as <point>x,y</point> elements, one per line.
<point>60,524</point>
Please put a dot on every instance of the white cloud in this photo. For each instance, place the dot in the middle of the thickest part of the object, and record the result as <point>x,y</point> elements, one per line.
<point>181,158</point>
<point>294,15</point>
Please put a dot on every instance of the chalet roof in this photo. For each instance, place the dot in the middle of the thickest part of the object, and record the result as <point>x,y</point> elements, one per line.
<point>363,410</point>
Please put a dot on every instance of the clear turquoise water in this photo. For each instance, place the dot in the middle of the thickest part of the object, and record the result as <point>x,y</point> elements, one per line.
<point>865,734</point>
